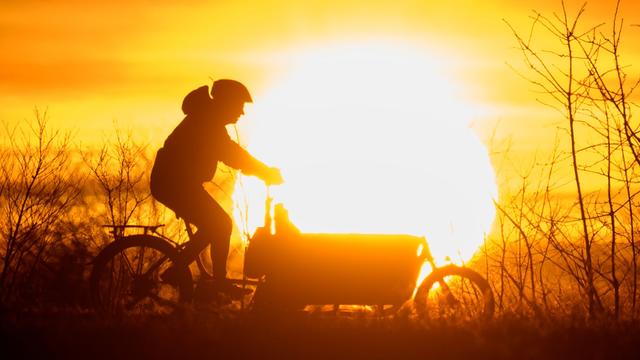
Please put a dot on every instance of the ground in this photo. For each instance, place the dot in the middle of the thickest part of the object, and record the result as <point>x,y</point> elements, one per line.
<point>78,334</point>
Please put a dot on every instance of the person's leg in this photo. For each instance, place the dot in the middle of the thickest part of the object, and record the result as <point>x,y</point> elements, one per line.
<point>216,231</point>
<point>214,227</point>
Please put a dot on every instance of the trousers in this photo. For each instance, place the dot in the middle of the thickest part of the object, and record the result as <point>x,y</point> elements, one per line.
<point>214,226</point>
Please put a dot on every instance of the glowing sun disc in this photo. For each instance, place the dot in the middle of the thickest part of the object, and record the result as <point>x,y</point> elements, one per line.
<point>371,138</point>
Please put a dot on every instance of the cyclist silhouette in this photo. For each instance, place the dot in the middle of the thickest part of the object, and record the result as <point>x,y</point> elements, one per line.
<point>189,158</point>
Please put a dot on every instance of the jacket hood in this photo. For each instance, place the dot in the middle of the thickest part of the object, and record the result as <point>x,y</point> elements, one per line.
<point>197,101</point>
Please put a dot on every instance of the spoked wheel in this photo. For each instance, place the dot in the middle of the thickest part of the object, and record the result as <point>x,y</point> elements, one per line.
<point>126,277</point>
<point>456,294</point>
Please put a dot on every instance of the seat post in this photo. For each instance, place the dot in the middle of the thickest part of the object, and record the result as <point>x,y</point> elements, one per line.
<point>189,230</point>
<point>187,225</point>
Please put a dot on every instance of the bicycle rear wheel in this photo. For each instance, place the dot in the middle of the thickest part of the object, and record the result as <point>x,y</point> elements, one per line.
<point>126,277</point>
<point>454,293</point>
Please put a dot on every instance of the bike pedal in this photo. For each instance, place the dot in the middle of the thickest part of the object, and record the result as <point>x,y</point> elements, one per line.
<point>171,276</point>
<point>211,288</point>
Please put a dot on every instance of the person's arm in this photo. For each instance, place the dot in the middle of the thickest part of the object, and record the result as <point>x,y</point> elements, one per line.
<point>237,157</point>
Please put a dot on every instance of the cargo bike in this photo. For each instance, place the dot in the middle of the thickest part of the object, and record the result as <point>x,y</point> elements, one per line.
<point>289,271</point>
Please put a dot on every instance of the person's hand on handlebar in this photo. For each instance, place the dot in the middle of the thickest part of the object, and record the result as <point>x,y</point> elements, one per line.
<point>273,176</point>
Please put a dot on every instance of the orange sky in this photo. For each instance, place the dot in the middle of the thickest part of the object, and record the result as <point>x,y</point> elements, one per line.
<point>91,63</point>
<point>131,62</point>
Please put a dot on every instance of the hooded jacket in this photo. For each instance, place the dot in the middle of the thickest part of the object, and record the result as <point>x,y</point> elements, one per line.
<point>191,153</point>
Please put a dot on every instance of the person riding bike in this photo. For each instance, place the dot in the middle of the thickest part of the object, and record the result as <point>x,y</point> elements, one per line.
<point>189,158</point>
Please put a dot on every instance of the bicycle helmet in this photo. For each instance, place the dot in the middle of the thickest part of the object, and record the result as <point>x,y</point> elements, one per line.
<point>230,90</point>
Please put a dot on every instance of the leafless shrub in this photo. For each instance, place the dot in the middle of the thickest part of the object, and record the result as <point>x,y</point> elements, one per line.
<point>120,169</point>
<point>38,189</point>
<point>584,80</point>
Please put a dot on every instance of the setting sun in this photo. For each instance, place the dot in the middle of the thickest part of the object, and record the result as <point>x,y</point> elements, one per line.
<point>372,137</point>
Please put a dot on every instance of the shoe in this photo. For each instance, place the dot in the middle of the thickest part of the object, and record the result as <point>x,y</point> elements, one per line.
<point>171,276</point>
<point>227,288</point>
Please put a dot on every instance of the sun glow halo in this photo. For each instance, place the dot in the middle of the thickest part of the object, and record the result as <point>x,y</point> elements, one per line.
<point>372,139</point>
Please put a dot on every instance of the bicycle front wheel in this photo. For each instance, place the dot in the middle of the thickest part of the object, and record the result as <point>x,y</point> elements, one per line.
<point>126,277</point>
<point>455,293</point>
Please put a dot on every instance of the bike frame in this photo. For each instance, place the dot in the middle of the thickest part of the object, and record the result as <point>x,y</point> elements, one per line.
<point>301,268</point>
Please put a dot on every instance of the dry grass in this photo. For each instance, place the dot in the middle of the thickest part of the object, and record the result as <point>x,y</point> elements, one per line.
<point>309,336</point>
